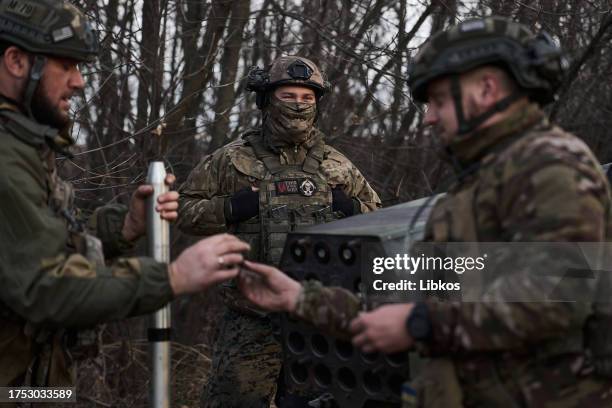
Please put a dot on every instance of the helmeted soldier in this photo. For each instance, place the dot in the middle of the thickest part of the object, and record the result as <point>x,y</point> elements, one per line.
<point>269,182</point>
<point>519,178</point>
<point>53,277</point>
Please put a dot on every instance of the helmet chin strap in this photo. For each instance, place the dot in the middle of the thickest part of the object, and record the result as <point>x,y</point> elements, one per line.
<point>35,75</point>
<point>468,125</point>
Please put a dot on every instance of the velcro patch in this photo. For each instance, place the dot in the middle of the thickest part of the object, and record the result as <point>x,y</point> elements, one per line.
<point>473,25</point>
<point>305,187</point>
<point>285,187</point>
<point>62,34</point>
<point>21,8</point>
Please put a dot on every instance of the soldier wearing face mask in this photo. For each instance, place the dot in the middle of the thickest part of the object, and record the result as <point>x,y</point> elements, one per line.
<point>267,183</point>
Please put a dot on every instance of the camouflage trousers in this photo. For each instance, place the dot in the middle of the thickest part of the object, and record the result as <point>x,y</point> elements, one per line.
<point>246,362</point>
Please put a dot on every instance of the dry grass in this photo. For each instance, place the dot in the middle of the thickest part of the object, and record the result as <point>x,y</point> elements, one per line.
<point>119,377</point>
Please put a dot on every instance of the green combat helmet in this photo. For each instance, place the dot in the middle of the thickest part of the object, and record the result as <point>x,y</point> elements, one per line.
<point>534,61</point>
<point>46,28</point>
<point>289,70</point>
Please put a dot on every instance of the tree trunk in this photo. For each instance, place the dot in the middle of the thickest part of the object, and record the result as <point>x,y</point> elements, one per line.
<point>229,66</point>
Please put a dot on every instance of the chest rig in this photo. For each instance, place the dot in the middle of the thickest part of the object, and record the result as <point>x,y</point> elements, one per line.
<point>290,197</point>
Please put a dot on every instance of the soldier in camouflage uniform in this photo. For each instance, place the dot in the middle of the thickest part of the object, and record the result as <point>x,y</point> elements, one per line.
<point>519,179</point>
<point>53,278</point>
<point>269,182</point>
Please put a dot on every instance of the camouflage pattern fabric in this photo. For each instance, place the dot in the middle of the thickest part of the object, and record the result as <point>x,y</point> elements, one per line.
<point>202,212</point>
<point>289,123</point>
<point>46,285</point>
<point>327,307</point>
<point>246,371</point>
<point>534,182</point>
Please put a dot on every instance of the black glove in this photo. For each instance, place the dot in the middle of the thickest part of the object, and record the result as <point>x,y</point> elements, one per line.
<point>244,204</point>
<point>341,202</point>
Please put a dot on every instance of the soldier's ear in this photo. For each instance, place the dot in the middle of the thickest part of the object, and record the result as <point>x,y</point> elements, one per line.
<point>16,62</point>
<point>491,90</point>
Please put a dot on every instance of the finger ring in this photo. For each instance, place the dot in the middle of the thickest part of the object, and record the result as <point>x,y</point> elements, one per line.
<point>221,262</point>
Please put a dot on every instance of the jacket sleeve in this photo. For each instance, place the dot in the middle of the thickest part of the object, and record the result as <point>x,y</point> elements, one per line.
<point>107,224</point>
<point>46,285</point>
<point>329,309</point>
<point>553,200</point>
<point>362,192</point>
<point>202,202</point>
<point>341,171</point>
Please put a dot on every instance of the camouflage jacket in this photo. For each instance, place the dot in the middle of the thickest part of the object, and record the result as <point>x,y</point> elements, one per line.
<point>46,285</point>
<point>527,180</point>
<point>234,167</point>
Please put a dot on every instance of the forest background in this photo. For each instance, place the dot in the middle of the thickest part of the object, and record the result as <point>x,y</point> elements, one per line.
<point>169,85</point>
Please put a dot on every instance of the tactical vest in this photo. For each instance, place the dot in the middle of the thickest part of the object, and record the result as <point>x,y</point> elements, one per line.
<point>49,347</point>
<point>290,197</point>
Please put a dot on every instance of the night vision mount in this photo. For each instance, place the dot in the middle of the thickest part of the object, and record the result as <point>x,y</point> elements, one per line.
<point>257,80</point>
<point>299,70</point>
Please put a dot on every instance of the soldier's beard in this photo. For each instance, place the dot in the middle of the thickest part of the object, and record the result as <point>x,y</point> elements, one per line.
<point>288,123</point>
<point>45,112</point>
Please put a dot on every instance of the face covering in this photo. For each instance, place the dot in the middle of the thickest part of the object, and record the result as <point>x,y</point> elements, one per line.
<point>288,123</point>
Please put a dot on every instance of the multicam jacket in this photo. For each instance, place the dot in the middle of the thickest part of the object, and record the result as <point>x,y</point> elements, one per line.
<point>203,196</point>
<point>522,180</point>
<point>52,277</point>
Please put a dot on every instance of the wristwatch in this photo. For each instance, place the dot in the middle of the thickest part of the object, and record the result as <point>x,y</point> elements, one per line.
<point>418,323</point>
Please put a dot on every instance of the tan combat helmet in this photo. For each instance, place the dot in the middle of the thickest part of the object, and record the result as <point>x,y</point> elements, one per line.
<point>46,28</point>
<point>288,70</point>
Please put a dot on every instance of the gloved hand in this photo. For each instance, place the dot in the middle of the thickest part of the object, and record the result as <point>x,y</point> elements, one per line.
<point>341,202</point>
<point>244,204</point>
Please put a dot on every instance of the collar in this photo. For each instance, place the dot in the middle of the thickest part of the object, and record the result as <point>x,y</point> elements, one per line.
<point>33,132</point>
<point>466,150</point>
<point>314,138</point>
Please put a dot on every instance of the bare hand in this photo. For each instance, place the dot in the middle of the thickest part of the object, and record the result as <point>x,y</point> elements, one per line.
<point>268,287</point>
<point>383,329</point>
<point>135,224</point>
<point>206,263</point>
